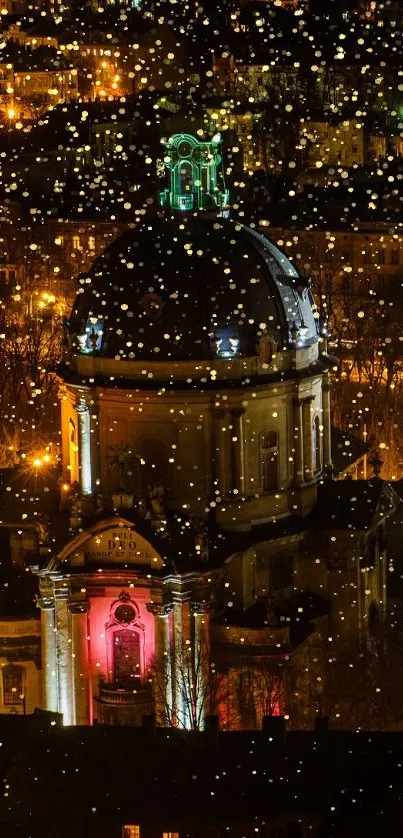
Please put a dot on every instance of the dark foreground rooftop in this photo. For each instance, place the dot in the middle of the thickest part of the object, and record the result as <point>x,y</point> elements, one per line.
<point>90,781</point>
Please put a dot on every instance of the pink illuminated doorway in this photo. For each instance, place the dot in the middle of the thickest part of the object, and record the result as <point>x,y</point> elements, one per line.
<point>126,657</point>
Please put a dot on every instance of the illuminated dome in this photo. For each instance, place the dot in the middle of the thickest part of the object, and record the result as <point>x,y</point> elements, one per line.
<point>191,285</point>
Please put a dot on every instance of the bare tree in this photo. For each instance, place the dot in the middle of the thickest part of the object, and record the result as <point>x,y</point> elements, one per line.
<point>259,691</point>
<point>187,686</point>
<point>30,349</point>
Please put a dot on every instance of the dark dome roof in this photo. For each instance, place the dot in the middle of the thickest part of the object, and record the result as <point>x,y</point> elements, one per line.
<point>190,287</point>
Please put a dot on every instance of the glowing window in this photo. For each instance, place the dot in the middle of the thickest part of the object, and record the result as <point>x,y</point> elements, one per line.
<point>126,658</point>
<point>266,350</point>
<point>13,684</point>
<point>130,831</point>
<point>224,342</point>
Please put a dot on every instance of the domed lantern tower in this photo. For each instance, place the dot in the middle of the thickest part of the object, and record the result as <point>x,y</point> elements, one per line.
<point>195,412</point>
<point>194,168</point>
<point>197,323</point>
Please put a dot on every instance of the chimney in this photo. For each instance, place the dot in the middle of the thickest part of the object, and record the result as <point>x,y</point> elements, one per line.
<point>149,722</point>
<point>322,725</point>
<point>212,730</point>
<point>274,728</point>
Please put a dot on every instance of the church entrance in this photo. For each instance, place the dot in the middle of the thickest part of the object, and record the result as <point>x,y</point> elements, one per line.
<point>126,658</point>
<point>126,699</point>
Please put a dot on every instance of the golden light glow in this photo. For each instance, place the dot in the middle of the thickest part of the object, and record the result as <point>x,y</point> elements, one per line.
<point>11,113</point>
<point>42,458</point>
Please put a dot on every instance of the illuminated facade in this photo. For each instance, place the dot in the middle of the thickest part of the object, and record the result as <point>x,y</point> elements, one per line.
<point>193,564</point>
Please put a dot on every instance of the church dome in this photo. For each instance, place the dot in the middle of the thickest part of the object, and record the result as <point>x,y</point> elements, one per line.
<point>191,287</point>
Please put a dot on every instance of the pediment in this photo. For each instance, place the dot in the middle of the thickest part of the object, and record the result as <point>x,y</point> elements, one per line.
<point>109,543</point>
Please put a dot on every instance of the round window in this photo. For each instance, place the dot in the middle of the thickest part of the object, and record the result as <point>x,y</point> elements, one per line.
<point>125,613</point>
<point>185,148</point>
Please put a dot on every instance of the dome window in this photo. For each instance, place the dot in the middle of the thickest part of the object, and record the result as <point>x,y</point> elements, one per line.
<point>225,342</point>
<point>91,339</point>
<point>266,349</point>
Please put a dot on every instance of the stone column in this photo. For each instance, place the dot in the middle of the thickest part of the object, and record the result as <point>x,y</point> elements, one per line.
<point>327,444</point>
<point>84,447</point>
<point>308,438</point>
<point>220,446</point>
<point>238,454</point>
<point>95,448</point>
<point>163,661</point>
<point>49,660</point>
<point>80,663</point>
<point>63,653</point>
<point>181,657</point>
<point>201,652</point>
<point>298,442</point>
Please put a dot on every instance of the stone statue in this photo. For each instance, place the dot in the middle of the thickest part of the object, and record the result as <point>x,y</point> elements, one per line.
<point>201,541</point>
<point>99,503</point>
<point>43,529</point>
<point>75,506</point>
<point>93,339</point>
<point>156,495</point>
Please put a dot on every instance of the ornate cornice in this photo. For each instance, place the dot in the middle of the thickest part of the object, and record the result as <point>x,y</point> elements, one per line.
<point>81,405</point>
<point>77,608</point>
<point>45,603</point>
<point>199,608</point>
<point>159,610</point>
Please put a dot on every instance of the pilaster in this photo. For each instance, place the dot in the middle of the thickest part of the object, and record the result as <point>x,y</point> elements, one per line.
<point>163,660</point>
<point>308,437</point>
<point>49,656</point>
<point>238,454</point>
<point>95,447</point>
<point>81,680</point>
<point>201,662</point>
<point>180,662</point>
<point>63,653</point>
<point>84,445</point>
<point>298,440</point>
<point>327,446</point>
<point>220,449</point>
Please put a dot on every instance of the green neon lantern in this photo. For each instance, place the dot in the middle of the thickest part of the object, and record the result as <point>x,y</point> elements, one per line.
<point>194,169</point>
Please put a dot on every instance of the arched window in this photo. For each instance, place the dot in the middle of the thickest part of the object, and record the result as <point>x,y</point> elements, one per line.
<point>317,465</point>
<point>266,349</point>
<point>269,461</point>
<point>186,177</point>
<point>13,684</point>
<point>126,657</point>
<point>125,644</point>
